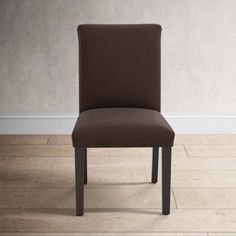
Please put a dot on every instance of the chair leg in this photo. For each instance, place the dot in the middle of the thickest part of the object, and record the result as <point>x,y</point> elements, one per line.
<point>79,179</point>
<point>155,157</point>
<point>166,179</point>
<point>85,167</point>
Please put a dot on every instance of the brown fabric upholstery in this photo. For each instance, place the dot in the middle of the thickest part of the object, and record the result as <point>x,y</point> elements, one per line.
<point>122,127</point>
<point>119,87</point>
<point>119,66</point>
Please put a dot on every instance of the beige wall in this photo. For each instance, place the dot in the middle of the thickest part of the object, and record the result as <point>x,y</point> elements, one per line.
<point>38,51</point>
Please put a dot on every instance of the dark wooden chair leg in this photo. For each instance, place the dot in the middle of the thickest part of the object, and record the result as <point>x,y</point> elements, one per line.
<point>155,157</point>
<point>79,179</point>
<point>166,179</point>
<point>85,167</point>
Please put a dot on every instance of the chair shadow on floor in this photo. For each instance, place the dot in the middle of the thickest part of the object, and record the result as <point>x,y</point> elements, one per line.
<point>136,210</point>
<point>146,211</point>
<point>120,184</point>
<point>71,211</point>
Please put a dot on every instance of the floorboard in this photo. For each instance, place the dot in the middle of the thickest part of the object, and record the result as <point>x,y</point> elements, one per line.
<point>37,195</point>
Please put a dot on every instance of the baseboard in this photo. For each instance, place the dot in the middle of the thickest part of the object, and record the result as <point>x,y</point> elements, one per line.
<point>37,123</point>
<point>63,123</point>
<point>201,123</point>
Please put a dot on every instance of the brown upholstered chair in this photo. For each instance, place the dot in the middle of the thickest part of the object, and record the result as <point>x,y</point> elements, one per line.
<point>119,97</point>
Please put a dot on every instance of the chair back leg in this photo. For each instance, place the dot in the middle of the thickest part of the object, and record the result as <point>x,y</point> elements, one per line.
<point>85,167</point>
<point>80,154</point>
<point>166,179</point>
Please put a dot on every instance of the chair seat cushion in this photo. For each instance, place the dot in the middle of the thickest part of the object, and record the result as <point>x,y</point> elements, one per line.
<point>122,127</point>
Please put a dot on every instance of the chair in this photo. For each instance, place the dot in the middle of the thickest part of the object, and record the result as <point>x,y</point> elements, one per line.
<point>119,98</point>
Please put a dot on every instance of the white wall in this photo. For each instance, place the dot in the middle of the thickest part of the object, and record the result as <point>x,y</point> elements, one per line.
<point>39,64</point>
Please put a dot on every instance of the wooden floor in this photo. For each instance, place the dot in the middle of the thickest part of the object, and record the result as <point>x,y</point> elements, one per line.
<point>37,189</point>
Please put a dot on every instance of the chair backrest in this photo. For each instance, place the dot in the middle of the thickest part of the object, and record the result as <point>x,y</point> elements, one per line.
<point>119,66</point>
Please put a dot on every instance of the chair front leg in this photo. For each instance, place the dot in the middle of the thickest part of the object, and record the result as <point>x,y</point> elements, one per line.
<point>79,179</point>
<point>166,179</point>
<point>155,157</point>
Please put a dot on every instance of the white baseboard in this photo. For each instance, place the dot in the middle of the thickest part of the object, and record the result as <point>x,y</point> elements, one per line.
<point>197,123</point>
<point>63,123</point>
<point>37,123</point>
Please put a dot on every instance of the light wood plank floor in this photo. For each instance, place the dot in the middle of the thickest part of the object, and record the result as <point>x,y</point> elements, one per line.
<point>37,196</point>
